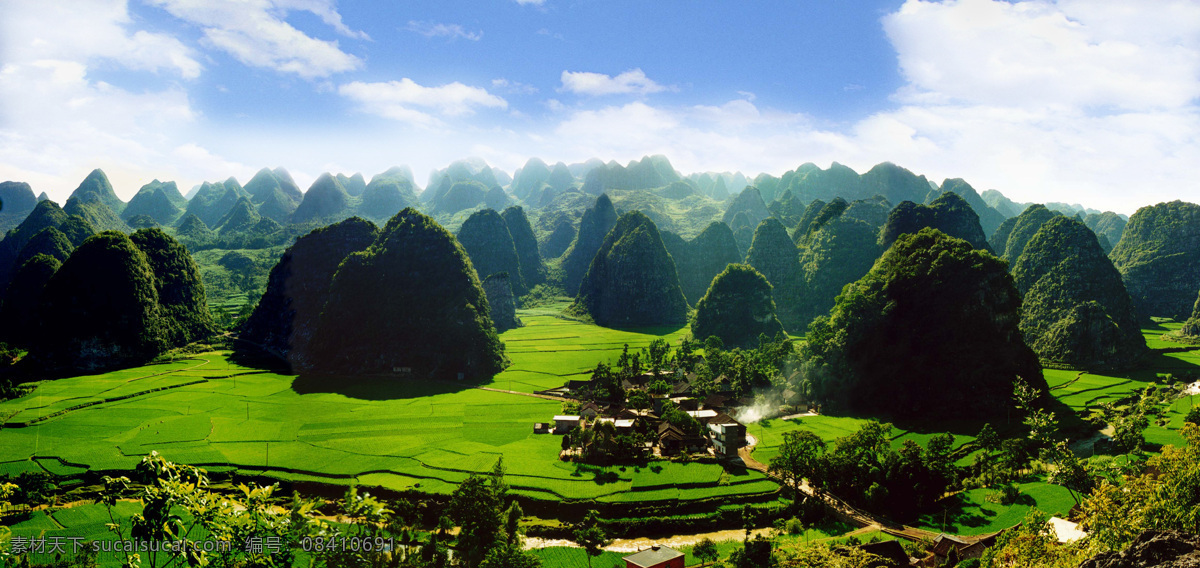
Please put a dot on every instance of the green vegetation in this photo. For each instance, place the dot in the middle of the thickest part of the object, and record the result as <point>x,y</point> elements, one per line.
<point>989,218</point>
<point>182,303</point>
<point>1108,225</point>
<point>159,201</point>
<point>737,308</point>
<point>700,260</point>
<point>212,202</point>
<point>19,314</point>
<point>597,221</point>
<point>96,186</point>
<point>1023,229</point>
<point>1158,260</point>
<point>96,212</point>
<point>503,305</point>
<point>632,280</point>
<point>286,317</point>
<point>774,255</point>
<point>485,238</point>
<point>274,194</point>
<point>325,201</point>
<point>750,202</point>
<point>949,213</point>
<point>948,311</point>
<point>1076,311</point>
<point>533,272</point>
<point>410,300</point>
<point>107,292</point>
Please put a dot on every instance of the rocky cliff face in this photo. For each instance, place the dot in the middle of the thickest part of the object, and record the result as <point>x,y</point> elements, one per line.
<point>1159,259</point>
<point>498,289</point>
<point>1152,549</point>
<point>1076,312</point>
<point>632,280</point>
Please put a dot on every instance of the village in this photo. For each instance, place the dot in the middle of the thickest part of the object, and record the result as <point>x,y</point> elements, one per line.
<point>657,414</point>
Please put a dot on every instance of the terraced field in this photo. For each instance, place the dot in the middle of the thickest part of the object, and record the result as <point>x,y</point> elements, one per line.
<point>399,434</point>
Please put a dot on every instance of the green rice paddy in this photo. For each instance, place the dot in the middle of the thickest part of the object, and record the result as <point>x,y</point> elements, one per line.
<point>401,434</point>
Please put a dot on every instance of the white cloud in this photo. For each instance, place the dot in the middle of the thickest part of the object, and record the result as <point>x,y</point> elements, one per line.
<point>515,87</point>
<point>633,81</point>
<point>255,33</point>
<point>531,2</point>
<point>89,31</point>
<point>395,99</point>
<point>451,31</point>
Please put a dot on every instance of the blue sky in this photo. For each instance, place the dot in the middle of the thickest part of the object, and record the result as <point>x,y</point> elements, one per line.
<point>1077,101</point>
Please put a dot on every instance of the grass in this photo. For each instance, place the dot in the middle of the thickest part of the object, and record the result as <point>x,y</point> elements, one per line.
<point>970,513</point>
<point>399,434</point>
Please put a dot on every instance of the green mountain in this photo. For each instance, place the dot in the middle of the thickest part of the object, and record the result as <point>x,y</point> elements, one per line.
<point>461,195</point>
<point>931,330</point>
<point>193,232</point>
<point>737,308</point>
<point>160,201</point>
<point>560,178</point>
<point>774,255</point>
<point>182,303</point>
<point>558,241</point>
<point>326,200</point>
<point>43,197</point>
<point>1002,204</point>
<point>895,183</point>
<point>1076,312</point>
<point>800,229</point>
<point>355,185</point>
<point>533,271</point>
<point>485,238</point>
<point>873,211</point>
<point>840,252</point>
<point>271,194</point>
<point>1191,328</point>
<point>22,299</point>
<point>949,213</point>
<point>811,183</point>
<point>95,212</point>
<point>240,218</point>
<point>648,173</point>
<point>411,301</point>
<point>213,201</point>
<point>989,219</point>
<point>1027,225</point>
<point>1159,259</point>
<point>787,208</point>
<point>632,279</point>
<point>496,199</point>
<point>16,203</point>
<point>285,319</point>
<point>1108,225</point>
<point>528,181</point>
<point>719,191</point>
<point>503,305</point>
<point>750,202</point>
<point>100,309</point>
<point>387,194</point>
<point>703,258</point>
<point>999,238</point>
<point>96,185</point>
<point>597,221</point>
<point>827,212</point>
<point>50,242</point>
<point>45,214</point>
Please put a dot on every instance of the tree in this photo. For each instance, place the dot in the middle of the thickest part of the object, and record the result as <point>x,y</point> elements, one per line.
<point>639,400</point>
<point>477,506</point>
<point>755,553</point>
<point>511,556</point>
<point>591,536</point>
<point>987,438</point>
<point>706,551</point>
<point>799,458</point>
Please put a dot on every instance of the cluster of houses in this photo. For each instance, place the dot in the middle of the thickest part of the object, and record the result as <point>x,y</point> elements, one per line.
<point>721,433</point>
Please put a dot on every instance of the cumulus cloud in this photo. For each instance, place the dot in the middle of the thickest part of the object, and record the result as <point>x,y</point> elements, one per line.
<point>255,33</point>
<point>451,31</point>
<point>396,99</point>
<point>633,81</point>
